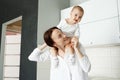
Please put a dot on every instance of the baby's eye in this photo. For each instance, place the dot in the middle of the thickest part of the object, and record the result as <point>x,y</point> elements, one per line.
<point>75,14</point>
<point>80,17</point>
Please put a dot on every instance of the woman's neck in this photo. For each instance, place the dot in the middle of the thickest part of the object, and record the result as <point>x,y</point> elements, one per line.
<point>61,51</point>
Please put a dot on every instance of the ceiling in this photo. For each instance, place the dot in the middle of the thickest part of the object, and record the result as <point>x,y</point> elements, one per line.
<point>14,28</point>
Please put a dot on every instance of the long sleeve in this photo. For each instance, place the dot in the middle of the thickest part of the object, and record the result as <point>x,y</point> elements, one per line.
<point>41,56</point>
<point>84,61</point>
<point>61,23</point>
<point>38,55</point>
<point>54,62</point>
<point>71,59</point>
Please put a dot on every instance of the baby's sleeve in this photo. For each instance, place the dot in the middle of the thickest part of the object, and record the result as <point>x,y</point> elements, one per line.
<point>60,24</point>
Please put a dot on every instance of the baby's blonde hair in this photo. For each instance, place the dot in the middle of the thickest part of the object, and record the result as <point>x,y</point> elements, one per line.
<point>78,7</point>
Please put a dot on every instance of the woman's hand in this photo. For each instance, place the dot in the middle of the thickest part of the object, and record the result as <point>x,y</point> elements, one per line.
<point>53,51</point>
<point>75,42</point>
<point>42,47</point>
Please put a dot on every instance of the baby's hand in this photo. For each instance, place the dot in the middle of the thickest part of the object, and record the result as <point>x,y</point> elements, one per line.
<point>53,51</point>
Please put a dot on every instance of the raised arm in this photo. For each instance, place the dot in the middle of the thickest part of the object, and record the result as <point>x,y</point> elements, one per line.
<point>38,54</point>
<point>83,59</point>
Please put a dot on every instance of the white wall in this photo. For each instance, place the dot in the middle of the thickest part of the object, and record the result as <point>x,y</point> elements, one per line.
<point>119,12</point>
<point>119,6</point>
<point>105,61</point>
<point>75,2</point>
<point>48,16</point>
<point>100,23</point>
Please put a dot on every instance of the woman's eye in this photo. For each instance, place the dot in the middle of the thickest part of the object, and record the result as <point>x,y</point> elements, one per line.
<point>59,36</point>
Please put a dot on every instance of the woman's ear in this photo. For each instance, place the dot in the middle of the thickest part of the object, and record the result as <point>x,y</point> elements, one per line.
<point>55,45</point>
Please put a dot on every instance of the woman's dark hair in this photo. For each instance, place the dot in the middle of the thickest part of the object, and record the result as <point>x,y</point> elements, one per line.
<point>47,37</point>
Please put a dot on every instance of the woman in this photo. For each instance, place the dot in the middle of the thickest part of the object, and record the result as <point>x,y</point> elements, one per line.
<point>62,47</point>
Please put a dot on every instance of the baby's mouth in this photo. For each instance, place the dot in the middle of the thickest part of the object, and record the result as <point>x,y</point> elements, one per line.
<point>75,21</point>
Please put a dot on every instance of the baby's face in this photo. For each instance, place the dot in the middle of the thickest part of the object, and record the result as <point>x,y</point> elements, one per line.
<point>76,15</point>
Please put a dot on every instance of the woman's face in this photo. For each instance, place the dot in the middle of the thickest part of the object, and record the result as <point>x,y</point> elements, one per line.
<point>59,38</point>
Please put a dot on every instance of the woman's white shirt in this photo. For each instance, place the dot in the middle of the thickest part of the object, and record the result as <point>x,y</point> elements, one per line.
<point>64,70</point>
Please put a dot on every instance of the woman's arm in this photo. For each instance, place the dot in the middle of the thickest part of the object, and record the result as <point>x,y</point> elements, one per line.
<point>83,59</point>
<point>39,55</point>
